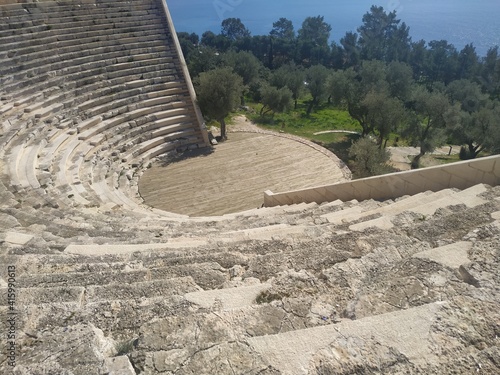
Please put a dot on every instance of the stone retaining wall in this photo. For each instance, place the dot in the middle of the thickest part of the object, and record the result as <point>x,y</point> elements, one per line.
<point>459,175</point>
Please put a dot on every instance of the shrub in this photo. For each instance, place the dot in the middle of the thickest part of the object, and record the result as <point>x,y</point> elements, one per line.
<point>368,158</point>
<point>124,347</point>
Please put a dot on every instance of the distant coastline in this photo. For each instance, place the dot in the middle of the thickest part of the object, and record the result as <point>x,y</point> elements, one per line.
<point>458,21</point>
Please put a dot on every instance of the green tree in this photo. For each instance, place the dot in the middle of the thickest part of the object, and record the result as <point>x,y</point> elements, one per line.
<point>467,94</point>
<point>383,114</point>
<point>313,40</point>
<point>352,87</point>
<point>346,87</point>
<point>283,43</point>
<point>478,131</point>
<point>234,29</point>
<point>490,72</point>
<point>219,92</point>
<point>373,75</point>
<point>337,86</point>
<point>337,56</point>
<point>188,43</point>
<point>218,42</point>
<point>275,100</point>
<point>427,123</point>
<point>468,61</point>
<point>291,76</point>
<point>317,77</point>
<point>382,38</point>
<point>441,62</point>
<point>283,29</point>
<point>492,141</point>
<point>399,77</point>
<point>472,121</point>
<point>418,60</point>
<point>243,63</point>
<point>246,65</point>
<point>202,60</point>
<point>351,48</point>
<point>368,158</point>
<point>260,46</point>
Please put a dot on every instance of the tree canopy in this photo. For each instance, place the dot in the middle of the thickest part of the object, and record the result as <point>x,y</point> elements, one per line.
<point>219,91</point>
<point>233,29</point>
<point>427,92</point>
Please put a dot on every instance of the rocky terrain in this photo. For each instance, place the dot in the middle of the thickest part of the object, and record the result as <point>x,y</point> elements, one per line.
<point>286,290</point>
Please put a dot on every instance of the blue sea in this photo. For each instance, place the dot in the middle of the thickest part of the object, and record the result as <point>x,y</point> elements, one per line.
<point>458,21</point>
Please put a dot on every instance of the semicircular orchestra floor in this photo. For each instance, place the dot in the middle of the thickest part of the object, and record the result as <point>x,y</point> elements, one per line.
<point>235,175</point>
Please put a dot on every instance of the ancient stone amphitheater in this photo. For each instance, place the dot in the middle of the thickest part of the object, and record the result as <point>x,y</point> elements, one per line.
<point>400,275</point>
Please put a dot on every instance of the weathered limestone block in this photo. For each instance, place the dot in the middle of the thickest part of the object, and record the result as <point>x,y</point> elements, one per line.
<point>119,366</point>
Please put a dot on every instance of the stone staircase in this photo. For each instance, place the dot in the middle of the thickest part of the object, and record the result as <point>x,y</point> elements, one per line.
<point>283,290</point>
<point>90,92</point>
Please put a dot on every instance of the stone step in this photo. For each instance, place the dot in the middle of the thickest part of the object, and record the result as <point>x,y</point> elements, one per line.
<point>170,125</point>
<point>408,331</point>
<point>74,73</point>
<point>71,66</point>
<point>100,51</point>
<point>33,76</point>
<point>354,271</point>
<point>16,155</point>
<point>99,26</point>
<point>98,126</point>
<point>109,292</point>
<point>118,318</point>
<point>153,147</point>
<point>65,165</point>
<point>71,63</point>
<point>468,197</point>
<point>25,297</point>
<point>268,233</point>
<point>53,9</point>
<point>229,298</point>
<point>31,164</point>
<point>129,249</point>
<point>452,256</point>
<point>357,212</point>
<point>138,290</point>
<point>208,275</point>
<point>120,103</point>
<point>158,260</point>
<point>432,203</point>
<point>65,37</point>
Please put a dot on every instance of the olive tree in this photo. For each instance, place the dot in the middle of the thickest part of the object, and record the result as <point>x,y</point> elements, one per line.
<point>219,92</point>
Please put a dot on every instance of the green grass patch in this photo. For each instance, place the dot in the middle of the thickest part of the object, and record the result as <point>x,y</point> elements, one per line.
<point>325,117</point>
<point>445,159</point>
<point>430,160</point>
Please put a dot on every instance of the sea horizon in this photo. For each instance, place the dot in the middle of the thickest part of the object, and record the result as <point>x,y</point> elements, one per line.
<point>460,22</point>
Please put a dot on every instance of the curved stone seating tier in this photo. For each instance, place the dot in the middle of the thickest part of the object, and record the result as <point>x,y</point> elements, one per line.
<point>105,68</point>
<point>90,82</point>
<point>74,61</point>
<point>61,36</point>
<point>220,281</point>
<point>76,47</point>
